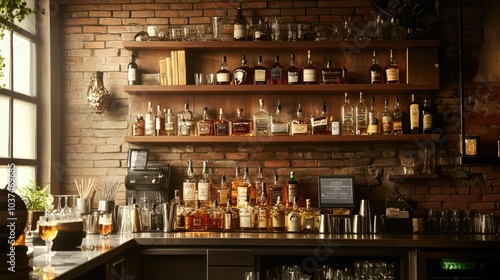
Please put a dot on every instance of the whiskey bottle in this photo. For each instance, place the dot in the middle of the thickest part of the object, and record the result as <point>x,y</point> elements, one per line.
<point>292,189</point>
<point>189,185</point>
<point>427,117</point>
<point>279,122</point>
<point>215,217</point>
<point>245,190</point>
<point>300,125</point>
<point>224,191</point>
<point>309,71</point>
<point>150,122</point>
<point>292,72</point>
<point>275,191</point>
<point>375,70</point>
<point>397,118</point>
<point>132,71</point>
<point>392,71</point>
<point>205,126</point>
<point>231,219</point>
<point>169,123</point>
<point>262,219</point>
<point>185,121</point>
<point>387,124</point>
<point>138,126</point>
<point>241,126</point>
<point>243,75</point>
<point>276,74</point>
<point>307,218</point>
<point>373,119</point>
<point>204,185</point>
<point>258,182</point>
<point>261,121</point>
<point>330,74</point>
<point>361,116</point>
<point>414,109</point>
<point>347,116</point>
<point>180,212</point>
<point>240,26</point>
<point>223,76</point>
<point>320,122</point>
<point>260,73</point>
<point>278,216</point>
<point>260,33</point>
<point>221,126</point>
<point>235,183</point>
<point>293,217</point>
<point>160,122</point>
<point>145,214</point>
<point>247,218</point>
<point>196,220</point>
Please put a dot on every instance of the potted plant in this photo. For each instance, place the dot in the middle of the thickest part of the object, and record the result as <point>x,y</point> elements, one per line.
<point>36,200</point>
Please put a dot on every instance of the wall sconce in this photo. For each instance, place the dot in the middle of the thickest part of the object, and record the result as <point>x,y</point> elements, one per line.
<point>97,95</point>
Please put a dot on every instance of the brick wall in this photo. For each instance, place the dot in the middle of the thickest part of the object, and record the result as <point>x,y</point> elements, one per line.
<point>92,33</point>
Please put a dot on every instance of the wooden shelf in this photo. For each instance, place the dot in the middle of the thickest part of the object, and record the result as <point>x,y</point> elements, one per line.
<point>396,177</point>
<point>285,89</point>
<point>269,45</point>
<point>286,139</point>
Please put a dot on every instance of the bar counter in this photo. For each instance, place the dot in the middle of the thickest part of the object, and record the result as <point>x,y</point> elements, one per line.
<point>95,251</point>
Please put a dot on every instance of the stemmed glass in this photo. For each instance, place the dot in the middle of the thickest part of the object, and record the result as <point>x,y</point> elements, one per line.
<point>47,229</point>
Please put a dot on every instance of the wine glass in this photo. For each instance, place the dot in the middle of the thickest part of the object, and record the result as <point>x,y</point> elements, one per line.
<point>105,224</point>
<point>47,229</point>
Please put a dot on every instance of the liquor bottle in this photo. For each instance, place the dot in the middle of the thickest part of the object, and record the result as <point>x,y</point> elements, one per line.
<point>276,75</point>
<point>300,125</point>
<point>231,219</point>
<point>180,212</point>
<point>185,120</point>
<point>292,189</point>
<point>243,75</point>
<point>307,218</point>
<point>397,118</point>
<point>204,185</point>
<point>235,183</point>
<point>275,191</point>
<point>149,122</point>
<point>361,116</point>
<point>278,216</point>
<point>132,71</point>
<point>347,116</point>
<point>159,122</point>
<point>189,185</point>
<point>330,74</point>
<point>221,126</point>
<point>375,70</point>
<point>292,72</point>
<point>145,214</point>
<point>309,72</point>
<point>196,220</point>
<point>240,26</point>
<point>224,192</point>
<point>414,109</point>
<point>258,182</point>
<point>279,122</point>
<point>205,126</point>
<point>241,126</point>
<point>293,217</point>
<point>223,76</point>
<point>263,219</point>
<point>387,125</point>
<point>427,117</point>
<point>392,71</point>
<point>245,190</point>
<point>320,122</point>
<point>138,126</point>
<point>260,73</point>
<point>247,218</point>
<point>215,217</point>
<point>373,119</point>
<point>261,121</point>
<point>169,123</point>
<point>260,33</point>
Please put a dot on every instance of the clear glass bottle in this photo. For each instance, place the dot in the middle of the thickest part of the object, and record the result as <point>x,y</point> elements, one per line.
<point>300,125</point>
<point>185,121</point>
<point>397,118</point>
<point>132,71</point>
<point>180,212</point>
<point>150,122</point>
<point>196,220</point>
<point>240,25</point>
<point>243,75</point>
<point>292,190</point>
<point>205,126</point>
<point>375,70</point>
<point>189,185</point>
<point>414,109</point>
<point>260,73</point>
<point>245,190</point>
<point>223,76</point>
<point>386,118</point>
<point>275,191</point>
<point>215,217</point>
<point>293,217</point>
<point>258,182</point>
<point>159,122</point>
<point>241,126</point>
<point>138,126</point>
<point>307,218</point>
<point>330,74</point>
<point>276,74</point>
<point>292,72</point>
<point>247,218</point>
<point>231,219</point>
<point>373,119</point>
<point>145,213</point>
<point>310,71</point>
<point>392,71</point>
<point>221,125</point>
<point>262,217</point>
<point>427,117</point>
<point>169,123</point>
<point>204,185</point>
<point>261,121</point>
<point>347,117</point>
<point>361,116</point>
<point>278,216</point>
<point>321,122</point>
<point>279,122</point>
<point>235,183</point>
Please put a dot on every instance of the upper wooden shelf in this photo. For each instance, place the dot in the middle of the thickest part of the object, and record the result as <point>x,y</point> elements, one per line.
<point>218,89</point>
<point>288,45</point>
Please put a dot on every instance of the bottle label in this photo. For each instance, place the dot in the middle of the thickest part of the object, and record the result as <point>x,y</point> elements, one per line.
<point>241,127</point>
<point>319,122</point>
<point>279,128</point>
<point>375,77</point>
<point>275,193</point>
<point>262,218</point>
<point>330,76</point>
<point>397,125</point>
<point>260,76</point>
<point>414,115</point>
<point>204,128</point>
<point>240,76</point>
<point>188,191</point>
<point>132,74</point>
<point>278,219</point>
<point>427,121</point>
<point>228,218</point>
<point>150,125</point>
<point>180,222</point>
<point>221,129</point>
<point>299,128</point>
<point>242,195</point>
<point>294,222</point>
<point>169,127</point>
<point>361,121</point>
<point>203,191</point>
<point>257,34</point>
<point>310,76</point>
<point>386,124</point>
<point>293,191</point>
<point>239,31</point>
<point>261,123</point>
<point>223,196</point>
<point>293,78</point>
<point>245,219</point>
<point>335,128</point>
<point>197,222</point>
<point>392,74</point>
<point>276,74</point>
<point>308,223</point>
<point>223,77</point>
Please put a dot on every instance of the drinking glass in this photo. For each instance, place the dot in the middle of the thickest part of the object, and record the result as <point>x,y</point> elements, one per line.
<point>210,78</point>
<point>217,27</point>
<point>105,224</point>
<point>198,79</point>
<point>47,229</point>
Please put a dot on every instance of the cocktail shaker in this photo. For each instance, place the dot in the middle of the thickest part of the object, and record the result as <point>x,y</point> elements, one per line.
<point>364,211</point>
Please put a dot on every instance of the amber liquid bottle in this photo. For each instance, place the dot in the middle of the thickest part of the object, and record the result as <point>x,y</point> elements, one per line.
<point>392,71</point>
<point>309,71</point>
<point>293,72</point>
<point>223,76</point>
<point>427,117</point>
<point>375,70</point>
<point>260,73</point>
<point>414,110</point>
<point>276,75</point>
<point>243,75</point>
<point>241,126</point>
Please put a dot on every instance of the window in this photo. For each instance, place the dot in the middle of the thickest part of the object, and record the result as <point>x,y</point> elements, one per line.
<point>19,103</point>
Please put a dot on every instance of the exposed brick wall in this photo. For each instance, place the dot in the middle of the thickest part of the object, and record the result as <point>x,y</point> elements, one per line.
<point>93,145</point>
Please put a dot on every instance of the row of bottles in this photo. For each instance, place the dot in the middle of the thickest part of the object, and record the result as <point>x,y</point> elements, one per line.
<point>277,74</point>
<point>354,120</point>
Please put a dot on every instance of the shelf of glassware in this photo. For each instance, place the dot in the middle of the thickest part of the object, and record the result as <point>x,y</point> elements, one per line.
<point>299,139</point>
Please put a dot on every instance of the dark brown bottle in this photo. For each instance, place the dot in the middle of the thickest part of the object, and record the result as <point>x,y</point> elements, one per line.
<point>243,75</point>
<point>223,76</point>
<point>276,75</point>
<point>260,73</point>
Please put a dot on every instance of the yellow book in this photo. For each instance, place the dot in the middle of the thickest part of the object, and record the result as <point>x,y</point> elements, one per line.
<point>181,67</point>
<point>175,70</point>
<point>163,72</point>
<point>168,61</point>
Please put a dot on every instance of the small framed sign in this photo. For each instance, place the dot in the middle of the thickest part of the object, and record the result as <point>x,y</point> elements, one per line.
<point>137,158</point>
<point>335,192</point>
<point>471,145</point>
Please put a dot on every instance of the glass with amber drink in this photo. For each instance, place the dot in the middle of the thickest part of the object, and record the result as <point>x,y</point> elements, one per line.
<point>47,229</point>
<point>105,224</point>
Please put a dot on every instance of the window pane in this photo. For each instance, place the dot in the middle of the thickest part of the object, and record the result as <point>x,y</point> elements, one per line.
<point>24,65</point>
<point>22,175</point>
<point>28,23</point>
<point>5,53</point>
<point>4,127</point>
<point>24,128</point>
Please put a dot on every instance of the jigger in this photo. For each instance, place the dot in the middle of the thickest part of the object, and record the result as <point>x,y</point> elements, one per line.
<point>364,211</point>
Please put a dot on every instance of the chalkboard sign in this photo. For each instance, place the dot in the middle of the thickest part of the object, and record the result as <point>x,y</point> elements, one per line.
<point>335,192</point>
